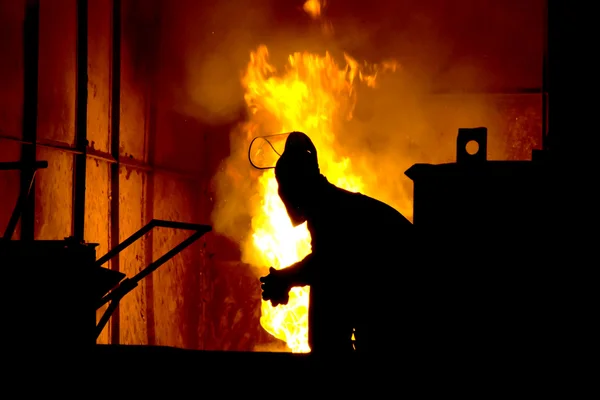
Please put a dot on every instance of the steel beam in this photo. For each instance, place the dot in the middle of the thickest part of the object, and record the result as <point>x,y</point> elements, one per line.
<point>31,45</point>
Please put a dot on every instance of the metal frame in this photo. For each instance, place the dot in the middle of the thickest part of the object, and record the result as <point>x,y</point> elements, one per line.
<point>128,284</point>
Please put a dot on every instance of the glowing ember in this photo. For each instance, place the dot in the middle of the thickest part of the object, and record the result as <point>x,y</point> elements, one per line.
<point>312,94</point>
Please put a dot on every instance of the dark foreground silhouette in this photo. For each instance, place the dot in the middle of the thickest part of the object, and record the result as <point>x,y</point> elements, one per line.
<point>358,244</point>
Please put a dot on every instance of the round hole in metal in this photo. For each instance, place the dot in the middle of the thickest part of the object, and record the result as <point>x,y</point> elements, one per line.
<point>472,147</point>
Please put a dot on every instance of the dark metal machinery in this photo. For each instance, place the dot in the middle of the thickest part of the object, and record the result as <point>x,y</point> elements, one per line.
<point>59,283</point>
<point>500,235</point>
<point>47,284</point>
<point>55,286</point>
<point>482,228</point>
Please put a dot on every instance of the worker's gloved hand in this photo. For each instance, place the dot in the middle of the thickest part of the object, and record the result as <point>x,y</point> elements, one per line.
<point>275,287</point>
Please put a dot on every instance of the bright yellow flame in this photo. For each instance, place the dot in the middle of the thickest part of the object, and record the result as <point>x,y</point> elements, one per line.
<point>313,94</point>
<point>313,8</point>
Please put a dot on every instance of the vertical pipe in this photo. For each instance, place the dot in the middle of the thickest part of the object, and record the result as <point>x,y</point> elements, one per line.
<point>149,212</point>
<point>115,126</point>
<point>149,255</point>
<point>565,77</point>
<point>81,99</point>
<point>31,36</point>
<point>545,80</point>
<point>152,52</point>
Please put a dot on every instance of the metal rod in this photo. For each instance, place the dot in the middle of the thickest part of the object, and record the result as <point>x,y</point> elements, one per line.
<point>561,90</point>
<point>545,83</point>
<point>145,229</point>
<point>499,92</point>
<point>168,255</point>
<point>123,245</point>
<point>21,203</point>
<point>81,99</point>
<point>110,310</point>
<point>50,144</point>
<point>19,165</point>
<point>115,139</point>
<point>159,223</point>
<point>25,168</point>
<point>112,307</point>
<point>128,284</point>
<point>31,45</point>
<point>149,180</point>
<point>107,157</point>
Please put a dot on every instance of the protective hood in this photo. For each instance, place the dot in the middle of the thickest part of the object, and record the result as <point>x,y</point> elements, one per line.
<point>294,157</point>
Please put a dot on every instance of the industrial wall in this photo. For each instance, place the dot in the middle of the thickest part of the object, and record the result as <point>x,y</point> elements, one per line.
<point>156,176</point>
<point>147,156</point>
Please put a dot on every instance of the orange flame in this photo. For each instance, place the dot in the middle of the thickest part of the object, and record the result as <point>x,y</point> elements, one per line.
<point>313,94</point>
<point>313,8</point>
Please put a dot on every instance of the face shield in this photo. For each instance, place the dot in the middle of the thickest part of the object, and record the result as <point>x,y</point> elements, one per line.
<point>264,151</point>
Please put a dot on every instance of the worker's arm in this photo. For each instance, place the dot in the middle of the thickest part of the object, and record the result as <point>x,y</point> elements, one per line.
<point>300,273</point>
<point>277,284</point>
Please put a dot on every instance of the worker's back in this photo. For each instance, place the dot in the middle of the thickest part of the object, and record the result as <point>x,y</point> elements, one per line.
<point>363,247</point>
<point>361,262</point>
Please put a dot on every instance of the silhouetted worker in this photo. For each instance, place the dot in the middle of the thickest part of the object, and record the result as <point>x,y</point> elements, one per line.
<point>358,244</point>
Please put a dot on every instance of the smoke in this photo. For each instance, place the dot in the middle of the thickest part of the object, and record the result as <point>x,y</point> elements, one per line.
<point>406,119</point>
<point>211,41</point>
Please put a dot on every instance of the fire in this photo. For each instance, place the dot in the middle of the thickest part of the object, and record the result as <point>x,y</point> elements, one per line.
<point>312,94</point>
<point>313,8</point>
